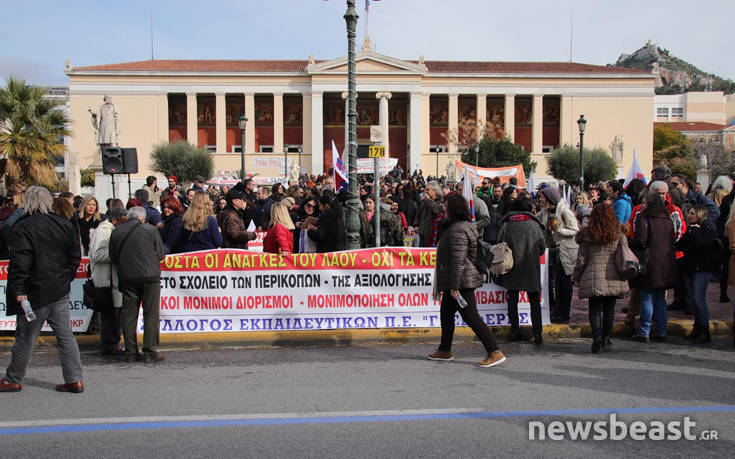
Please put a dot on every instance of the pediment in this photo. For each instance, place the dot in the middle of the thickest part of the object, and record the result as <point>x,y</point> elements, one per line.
<point>368,62</point>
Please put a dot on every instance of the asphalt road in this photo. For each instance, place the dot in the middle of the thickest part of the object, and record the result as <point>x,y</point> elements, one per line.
<point>379,401</point>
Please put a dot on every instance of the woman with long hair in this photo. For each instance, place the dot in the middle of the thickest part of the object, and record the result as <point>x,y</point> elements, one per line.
<point>654,232</point>
<point>278,192</point>
<point>88,219</point>
<point>456,279</point>
<point>509,194</point>
<point>596,272</point>
<point>279,239</point>
<point>309,208</point>
<point>721,187</point>
<point>200,230</point>
<point>63,208</point>
<point>700,255</point>
<point>582,208</point>
<point>171,210</point>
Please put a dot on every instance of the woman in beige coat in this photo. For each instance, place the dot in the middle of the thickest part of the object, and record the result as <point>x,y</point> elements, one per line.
<point>596,271</point>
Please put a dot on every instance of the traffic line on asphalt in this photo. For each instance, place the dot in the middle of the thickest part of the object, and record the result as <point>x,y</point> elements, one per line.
<point>279,419</point>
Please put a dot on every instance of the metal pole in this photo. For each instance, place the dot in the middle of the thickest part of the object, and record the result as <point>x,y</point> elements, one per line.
<point>581,160</point>
<point>300,162</point>
<point>376,186</point>
<point>436,150</point>
<point>242,155</point>
<point>285,164</point>
<point>352,217</point>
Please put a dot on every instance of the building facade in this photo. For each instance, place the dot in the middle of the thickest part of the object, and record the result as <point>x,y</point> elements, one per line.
<point>296,108</point>
<point>708,107</point>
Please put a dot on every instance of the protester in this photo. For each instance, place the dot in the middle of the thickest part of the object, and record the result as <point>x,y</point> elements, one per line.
<point>104,275</point>
<point>456,277</point>
<point>596,271</point>
<point>87,220</point>
<point>44,257</point>
<point>235,234</point>
<point>582,208</point>
<point>173,189</point>
<point>172,224</point>
<point>152,216</point>
<point>561,227</point>
<point>278,192</point>
<point>262,210</point>
<point>154,193</point>
<point>329,233</point>
<point>302,243</point>
<point>279,238</point>
<point>200,230</point>
<point>699,245</point>
<point>429,209</point>
<point>622,203</point>
<point>654,233</point>
<point>199,184</point>
<point>525,235</point>
<point>136,250</point>
<point>509,194</point>
<point>63,208</point>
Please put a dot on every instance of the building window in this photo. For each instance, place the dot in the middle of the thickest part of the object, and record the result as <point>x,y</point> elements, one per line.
<point>662,112</point>
<point>677,112</point>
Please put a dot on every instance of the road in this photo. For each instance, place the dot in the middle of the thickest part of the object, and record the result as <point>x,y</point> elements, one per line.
<point>372,401</point>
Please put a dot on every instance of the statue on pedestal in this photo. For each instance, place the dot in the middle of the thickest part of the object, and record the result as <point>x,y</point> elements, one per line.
<point>616,150</point>
<point>106,122</point>
<point>294,172</point>
<point>451,170</point>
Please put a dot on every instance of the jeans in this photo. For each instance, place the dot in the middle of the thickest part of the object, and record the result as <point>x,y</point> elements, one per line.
<point>653,303</point>
<point>535,299</point>
<point>26,334</point>
<point>698,283</point>
<point>469,314</point>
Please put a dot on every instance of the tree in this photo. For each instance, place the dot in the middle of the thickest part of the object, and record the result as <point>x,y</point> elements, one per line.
<point>563,164</point>
<point>183,160</point>
<point>32,129</point>
<point>87,177</point>
<point>672,149</point>
<point>719,161</point>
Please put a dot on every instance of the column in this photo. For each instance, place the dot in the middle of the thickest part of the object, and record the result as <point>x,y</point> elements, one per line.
<point>250,126</point>
<point>415,139</point>
<point>510,116</point>
<point>383,98</point>
<point>481,108</point>
<point>192,134</point>
<point>163,127</point>
<point>537,124</point>
<point>220,122</point>
<point>453,128</point>
<point>565,121</point>
<point>317,133</point>
<point>425,127</point>
<point>278,122</point>
<point>306,124</point>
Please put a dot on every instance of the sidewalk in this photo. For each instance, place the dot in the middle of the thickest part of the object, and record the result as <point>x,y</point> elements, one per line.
<point>679,324</point>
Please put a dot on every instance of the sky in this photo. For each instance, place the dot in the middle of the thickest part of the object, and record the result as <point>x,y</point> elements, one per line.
<point>39,35</point>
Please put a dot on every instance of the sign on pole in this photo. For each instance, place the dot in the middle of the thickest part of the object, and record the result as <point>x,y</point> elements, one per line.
<point>376,151</point>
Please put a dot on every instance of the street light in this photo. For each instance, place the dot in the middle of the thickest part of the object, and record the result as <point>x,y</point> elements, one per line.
<point>352,216</point>
<point>582,123</point>
<point>243,121</point>
<point>300,149</point>
<point>477,154</point>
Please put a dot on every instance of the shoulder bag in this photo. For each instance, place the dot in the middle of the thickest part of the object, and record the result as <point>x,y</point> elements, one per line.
<point>626,262</point>
<point>502,256</point>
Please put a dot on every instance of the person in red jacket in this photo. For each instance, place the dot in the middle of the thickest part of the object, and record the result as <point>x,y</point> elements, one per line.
<point>279,238</point>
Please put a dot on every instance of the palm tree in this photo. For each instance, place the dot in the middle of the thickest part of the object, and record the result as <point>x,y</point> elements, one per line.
<point>32,129</point>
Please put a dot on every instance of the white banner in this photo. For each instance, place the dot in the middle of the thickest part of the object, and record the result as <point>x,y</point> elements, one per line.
<point>237,290</point>
<point>80,315</point>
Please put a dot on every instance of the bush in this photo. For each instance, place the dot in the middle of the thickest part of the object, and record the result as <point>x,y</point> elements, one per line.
<point>183,160</point>
<point>86,177</point>
<point>598,165</point>
<point>499,153</point>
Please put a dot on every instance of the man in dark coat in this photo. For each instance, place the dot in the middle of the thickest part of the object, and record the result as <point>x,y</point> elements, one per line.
<point>136,249</point>
<point>44,257</point>
<point>232,222</point>
<point>429,209</point>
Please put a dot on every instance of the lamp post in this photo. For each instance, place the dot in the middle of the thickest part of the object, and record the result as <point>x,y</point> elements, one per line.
<point>243,121</point>
<point>582,123</point>
<point>477,154</point>
<point>285,164</point>
<point>352,218</point>
<point>300,149</point>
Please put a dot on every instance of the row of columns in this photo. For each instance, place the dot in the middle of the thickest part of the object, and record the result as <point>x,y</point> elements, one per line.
<point>419,117</point>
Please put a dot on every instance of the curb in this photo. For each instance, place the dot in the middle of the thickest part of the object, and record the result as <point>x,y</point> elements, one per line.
<point>718,328</point>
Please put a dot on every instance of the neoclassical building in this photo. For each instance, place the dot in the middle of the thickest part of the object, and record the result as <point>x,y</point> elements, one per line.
<point>296,108</point>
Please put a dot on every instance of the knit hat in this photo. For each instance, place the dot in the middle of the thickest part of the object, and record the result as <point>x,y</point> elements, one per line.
<point>173,177</point>
<point>288,201</point>
<point>552,194</point>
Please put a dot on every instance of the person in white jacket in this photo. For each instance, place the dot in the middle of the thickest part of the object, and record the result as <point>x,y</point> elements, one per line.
<point>104,274</point>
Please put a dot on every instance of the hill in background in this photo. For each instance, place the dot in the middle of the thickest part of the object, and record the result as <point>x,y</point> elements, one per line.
<point>676,76</point>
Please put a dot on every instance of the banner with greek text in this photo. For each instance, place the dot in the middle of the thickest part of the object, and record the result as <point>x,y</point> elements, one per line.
<point>236,290</point>
<point>80,315</point>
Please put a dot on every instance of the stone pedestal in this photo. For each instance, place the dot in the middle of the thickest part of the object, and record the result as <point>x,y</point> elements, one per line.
<point>703,178</point>
<point>103,186</point>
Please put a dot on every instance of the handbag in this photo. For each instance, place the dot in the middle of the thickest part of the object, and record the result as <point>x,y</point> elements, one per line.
<point>626,262</point>
<point>98,299</point>
<point>502,260</point>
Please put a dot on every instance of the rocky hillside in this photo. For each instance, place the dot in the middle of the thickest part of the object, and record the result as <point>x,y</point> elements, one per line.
<point>675,75</point>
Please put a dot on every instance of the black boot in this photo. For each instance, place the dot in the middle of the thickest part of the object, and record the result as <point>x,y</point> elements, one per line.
<point>703,337</point>
<point>696,331</point>
<point>515,334</point>
<point>597,343</point>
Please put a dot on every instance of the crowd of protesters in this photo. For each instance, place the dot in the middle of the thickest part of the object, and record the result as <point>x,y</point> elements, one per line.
<point>683,238</point>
